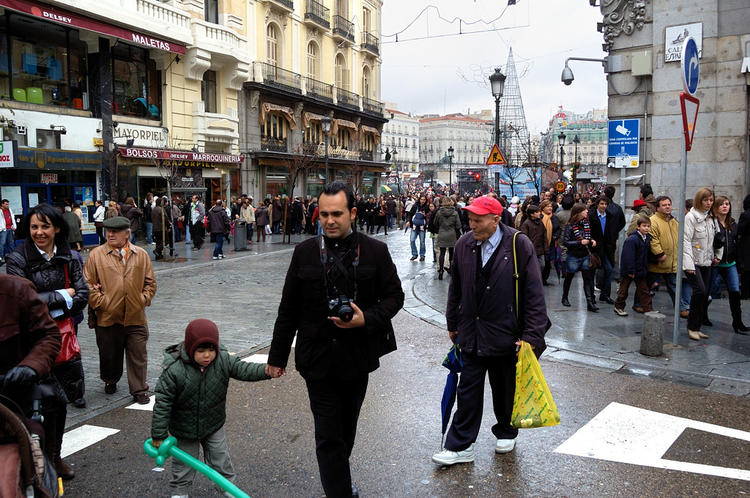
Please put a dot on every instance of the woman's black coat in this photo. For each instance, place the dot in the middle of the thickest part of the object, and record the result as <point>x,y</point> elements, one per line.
<point>48,276</point>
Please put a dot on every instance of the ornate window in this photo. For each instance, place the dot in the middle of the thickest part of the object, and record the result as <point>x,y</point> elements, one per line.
<point>313,60</point>
<point>272,45</point>
<point>341,72</point>
<point>366,82</point>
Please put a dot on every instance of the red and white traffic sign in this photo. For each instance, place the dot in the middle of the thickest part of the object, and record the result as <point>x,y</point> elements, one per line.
<point>689,106</point>
<point>560,186</point>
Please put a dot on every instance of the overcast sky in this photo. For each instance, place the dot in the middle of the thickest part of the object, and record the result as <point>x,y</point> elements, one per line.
<point>449,74</point>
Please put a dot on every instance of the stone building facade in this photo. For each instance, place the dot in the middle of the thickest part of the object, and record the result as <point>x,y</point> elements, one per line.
<point>643,38</point>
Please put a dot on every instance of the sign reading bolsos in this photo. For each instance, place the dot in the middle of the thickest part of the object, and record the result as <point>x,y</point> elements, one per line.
<point>623,142</point>
<point>174,155</point>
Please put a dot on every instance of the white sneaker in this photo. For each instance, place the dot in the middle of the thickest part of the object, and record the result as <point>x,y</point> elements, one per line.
<point>214,257</point>
<point>221,256</point>
<point>448,457</point>
<point>505,445</point>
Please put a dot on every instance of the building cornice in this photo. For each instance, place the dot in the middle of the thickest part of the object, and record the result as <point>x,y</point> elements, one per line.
<point>621,16</point>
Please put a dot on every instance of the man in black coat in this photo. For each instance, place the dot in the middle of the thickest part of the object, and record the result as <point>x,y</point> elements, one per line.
<point>604,230</point>
<point>481,318</point>
<point>335,356</point>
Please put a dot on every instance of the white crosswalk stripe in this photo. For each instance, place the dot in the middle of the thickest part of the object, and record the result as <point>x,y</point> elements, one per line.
<point>83,437</point>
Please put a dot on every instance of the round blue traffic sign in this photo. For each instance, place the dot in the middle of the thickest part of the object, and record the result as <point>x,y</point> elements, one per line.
<point>691,66</point>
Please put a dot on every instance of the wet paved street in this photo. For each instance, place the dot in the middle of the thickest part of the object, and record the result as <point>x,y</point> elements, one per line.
<point>590,364</point>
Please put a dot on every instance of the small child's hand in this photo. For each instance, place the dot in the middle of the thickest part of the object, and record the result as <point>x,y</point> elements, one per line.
<point>631,275</point>
<point>156,442</point>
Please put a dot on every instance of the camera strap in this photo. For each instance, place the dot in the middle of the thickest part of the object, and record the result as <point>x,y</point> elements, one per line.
<point>324,260</point>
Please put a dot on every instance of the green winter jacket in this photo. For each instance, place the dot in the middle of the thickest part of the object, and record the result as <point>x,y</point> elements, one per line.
<point>190,403</point>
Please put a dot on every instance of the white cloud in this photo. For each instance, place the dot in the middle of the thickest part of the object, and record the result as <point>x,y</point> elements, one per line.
<point>448,74</point>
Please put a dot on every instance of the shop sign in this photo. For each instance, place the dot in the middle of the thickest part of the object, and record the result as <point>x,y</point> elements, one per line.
<point>58,159</point>
<point>675,36</point>
<point>66,18</point>
<point>172,155</point>
<point>8,152</point>
<point>49,178</point>
<point>142,136</point>
<point>188,178</point>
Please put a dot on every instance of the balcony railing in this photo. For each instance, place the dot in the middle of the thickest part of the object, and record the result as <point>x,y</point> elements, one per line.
<point>318,13</point>
<point>370,105</point>
<point>287,4</point>
<point>320,90</point>
<point>347,98</point>
<point>370,42</point>
<point>342,28</point>
<point>278,77</point>
<point>273,144</point>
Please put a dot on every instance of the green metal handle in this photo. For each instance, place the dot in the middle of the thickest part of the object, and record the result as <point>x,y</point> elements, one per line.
<point>169,448</point>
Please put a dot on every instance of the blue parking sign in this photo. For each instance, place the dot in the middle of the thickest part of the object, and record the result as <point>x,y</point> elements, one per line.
<point>623,143</point>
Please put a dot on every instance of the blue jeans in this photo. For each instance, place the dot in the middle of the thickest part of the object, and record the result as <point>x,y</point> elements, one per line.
<point>604,278</point>
<point>669,280</point>
<point>149,232</point>
<point>730,277</point>
<point>574,263</point>
<point>412,239</point>
<point>6,242</point>
<point>389,220</point>
<point>687,292</point>
<point>219,247</point>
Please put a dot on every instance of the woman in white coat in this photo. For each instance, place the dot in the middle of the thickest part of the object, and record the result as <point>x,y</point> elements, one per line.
<point>699,256</point>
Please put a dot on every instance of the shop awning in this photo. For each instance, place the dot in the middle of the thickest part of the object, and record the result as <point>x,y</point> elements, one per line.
<point>372,131</point>
<point>310,116</point>
<point>287,112</point>
<point>343,123</point>
<point>67,18</point>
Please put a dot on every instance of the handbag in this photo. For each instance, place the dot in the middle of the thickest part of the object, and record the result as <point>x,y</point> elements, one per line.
<point>69,348</point>
<point>594,260</point>
<point>720,238</point>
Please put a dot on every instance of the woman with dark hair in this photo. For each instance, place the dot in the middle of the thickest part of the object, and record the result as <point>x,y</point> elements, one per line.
<point>45,258</point>
<point>698,256</point>
<point>743,248</point>
<point>577,239</point>
<point>726,270</point>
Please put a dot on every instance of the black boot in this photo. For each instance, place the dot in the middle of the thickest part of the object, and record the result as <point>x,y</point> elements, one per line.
<point>588,290</point>
<point>734,306</point>
<point>566,288</point>
<point>706,320</point>
<point>440,274</point>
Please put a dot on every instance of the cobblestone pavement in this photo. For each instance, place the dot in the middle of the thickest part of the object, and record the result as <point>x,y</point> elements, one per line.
<point>241,293</point>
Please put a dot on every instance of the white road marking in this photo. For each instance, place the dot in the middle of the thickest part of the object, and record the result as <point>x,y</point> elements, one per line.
<point>146,408</point>
<point>626,434</point>
<point>83,437</point>
<point>256,358</point>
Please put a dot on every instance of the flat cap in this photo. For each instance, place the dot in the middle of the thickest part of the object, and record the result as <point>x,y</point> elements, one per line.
<point>117,223</point>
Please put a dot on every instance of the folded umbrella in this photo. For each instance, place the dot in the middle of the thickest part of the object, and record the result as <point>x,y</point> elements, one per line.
<point>454,364</point>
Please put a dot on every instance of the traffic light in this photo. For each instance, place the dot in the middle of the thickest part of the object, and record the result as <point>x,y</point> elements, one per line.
<point>477,176</point>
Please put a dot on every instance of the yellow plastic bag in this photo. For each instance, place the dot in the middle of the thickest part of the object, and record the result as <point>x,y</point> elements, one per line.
<point>533,405</point>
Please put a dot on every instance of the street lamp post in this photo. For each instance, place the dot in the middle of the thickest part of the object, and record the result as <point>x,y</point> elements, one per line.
<point>497,84</point>
<point>398,172</point>
<point>450,170</point>
<point>561,141</point>
<point>325,123</point>
<point>576,141</point>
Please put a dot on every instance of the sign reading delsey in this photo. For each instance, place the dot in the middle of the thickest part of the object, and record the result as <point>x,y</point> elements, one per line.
<point>172,155</point>
<point>70,19</point>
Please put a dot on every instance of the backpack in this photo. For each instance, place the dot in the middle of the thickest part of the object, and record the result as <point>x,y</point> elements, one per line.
<point>418,219</point>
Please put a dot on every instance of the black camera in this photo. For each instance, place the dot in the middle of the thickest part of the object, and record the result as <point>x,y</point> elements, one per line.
<point>341,307</point>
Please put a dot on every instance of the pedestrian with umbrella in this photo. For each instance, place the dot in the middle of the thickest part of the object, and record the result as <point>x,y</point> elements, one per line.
<point>494,270</point>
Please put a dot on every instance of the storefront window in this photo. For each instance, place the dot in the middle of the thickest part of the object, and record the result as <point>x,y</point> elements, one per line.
<point>343,139</point>
<point>136,88</point>
<point>47,63</point>
<point>313,134</point>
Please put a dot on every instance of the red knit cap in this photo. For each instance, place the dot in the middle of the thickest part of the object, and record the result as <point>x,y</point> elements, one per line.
<point>201,331</point>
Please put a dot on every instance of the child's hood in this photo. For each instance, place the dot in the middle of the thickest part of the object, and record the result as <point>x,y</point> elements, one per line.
<point>201,331</point>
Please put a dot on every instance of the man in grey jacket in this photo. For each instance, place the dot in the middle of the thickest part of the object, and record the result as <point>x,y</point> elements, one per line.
<point>481,318</point>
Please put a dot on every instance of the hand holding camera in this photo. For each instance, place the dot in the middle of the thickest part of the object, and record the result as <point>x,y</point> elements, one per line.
<point>339,319</point>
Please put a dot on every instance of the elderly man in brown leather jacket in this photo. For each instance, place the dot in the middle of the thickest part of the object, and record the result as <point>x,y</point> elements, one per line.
<point>122,284</point>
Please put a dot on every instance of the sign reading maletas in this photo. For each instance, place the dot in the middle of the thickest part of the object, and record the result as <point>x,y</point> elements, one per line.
<point>174,155</point>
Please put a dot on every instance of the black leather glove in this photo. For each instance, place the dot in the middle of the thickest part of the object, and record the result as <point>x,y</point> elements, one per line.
<point>20,376</point>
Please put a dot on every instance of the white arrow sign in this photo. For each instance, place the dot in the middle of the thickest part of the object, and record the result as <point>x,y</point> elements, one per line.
<point>626,434</point>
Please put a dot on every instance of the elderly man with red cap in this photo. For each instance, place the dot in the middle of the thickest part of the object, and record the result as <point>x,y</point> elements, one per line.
<point>481,318</point>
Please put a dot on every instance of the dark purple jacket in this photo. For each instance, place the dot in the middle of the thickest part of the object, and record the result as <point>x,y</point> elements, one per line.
<point>489,327</point>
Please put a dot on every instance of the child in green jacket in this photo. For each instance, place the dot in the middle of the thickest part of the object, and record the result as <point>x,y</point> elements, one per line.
<point>191,400</point>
